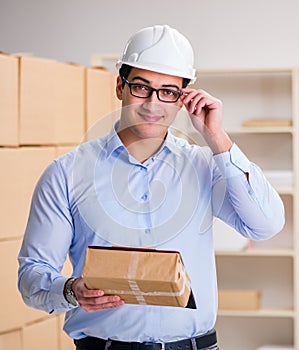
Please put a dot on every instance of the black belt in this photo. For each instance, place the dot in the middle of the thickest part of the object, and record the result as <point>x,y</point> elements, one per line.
<point>201,342</point>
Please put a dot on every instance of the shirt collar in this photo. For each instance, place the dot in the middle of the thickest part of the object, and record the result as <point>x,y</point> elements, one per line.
<point>114,142</point>
<point>171,143</point>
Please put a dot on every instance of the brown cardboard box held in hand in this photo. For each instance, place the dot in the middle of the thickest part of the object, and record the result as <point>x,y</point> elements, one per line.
<point>138,276</point>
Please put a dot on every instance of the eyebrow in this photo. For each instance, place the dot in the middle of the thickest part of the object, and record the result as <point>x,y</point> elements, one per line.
<point>148,82</point>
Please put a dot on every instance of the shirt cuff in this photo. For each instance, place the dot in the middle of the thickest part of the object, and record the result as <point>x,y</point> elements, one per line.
<point>232,163</point>
<point>57,301</point>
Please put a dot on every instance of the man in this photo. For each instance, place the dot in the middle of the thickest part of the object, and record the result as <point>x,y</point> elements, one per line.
<point>141,186</point>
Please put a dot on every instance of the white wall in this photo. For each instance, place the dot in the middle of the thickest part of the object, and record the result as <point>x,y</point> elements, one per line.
<point>224,33</point>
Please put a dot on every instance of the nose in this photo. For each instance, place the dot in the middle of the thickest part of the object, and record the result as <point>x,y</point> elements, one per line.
<point>153,97</point>
<point>152,104</point>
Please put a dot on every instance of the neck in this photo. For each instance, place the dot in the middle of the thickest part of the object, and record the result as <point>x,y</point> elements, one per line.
<point>140,148</point>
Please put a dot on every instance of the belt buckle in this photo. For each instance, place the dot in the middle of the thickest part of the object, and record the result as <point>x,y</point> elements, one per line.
<point>162,344</point>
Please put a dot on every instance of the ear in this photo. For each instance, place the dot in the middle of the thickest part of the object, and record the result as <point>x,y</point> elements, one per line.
<point>119,88</point>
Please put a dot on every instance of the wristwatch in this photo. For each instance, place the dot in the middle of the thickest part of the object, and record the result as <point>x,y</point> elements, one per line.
<point>69,293</point>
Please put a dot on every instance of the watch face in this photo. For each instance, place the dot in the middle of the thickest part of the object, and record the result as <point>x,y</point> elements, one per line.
<point>72,299</point>
<point>69,293</point>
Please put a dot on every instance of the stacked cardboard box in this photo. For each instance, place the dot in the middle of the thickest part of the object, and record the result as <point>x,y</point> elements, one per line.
<point>42,116</point>
<point>8,100</point>
<point>51,102</point>
<point>102,106</point>
<point>22,167</point>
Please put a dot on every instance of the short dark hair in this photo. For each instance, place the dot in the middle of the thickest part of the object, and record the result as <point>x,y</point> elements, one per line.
<point>125,70</point>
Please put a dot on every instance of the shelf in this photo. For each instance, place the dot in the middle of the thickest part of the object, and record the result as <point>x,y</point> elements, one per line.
<point>284,253</point>
<point>282,313</point>
<point>260,130</point>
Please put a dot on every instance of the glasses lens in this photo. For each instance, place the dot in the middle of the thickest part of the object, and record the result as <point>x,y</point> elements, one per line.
<point>140,90</point>
<point>168,95</point>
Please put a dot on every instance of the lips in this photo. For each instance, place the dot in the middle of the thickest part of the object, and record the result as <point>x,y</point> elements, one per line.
<point>150,118</point>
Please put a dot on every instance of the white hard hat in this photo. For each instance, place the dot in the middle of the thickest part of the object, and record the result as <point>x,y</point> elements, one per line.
<point>160,49</point>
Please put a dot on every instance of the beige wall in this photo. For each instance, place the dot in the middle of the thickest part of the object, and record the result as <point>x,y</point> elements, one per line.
<point>225,34</point>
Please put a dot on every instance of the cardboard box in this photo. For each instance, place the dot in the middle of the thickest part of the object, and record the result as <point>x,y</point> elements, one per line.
<point>11,340</point>
<point>11,317</point>
<point>116,103</point>
<point>229,299</point>
<point>138,276</point>
<point>65,342</point>
<point>14,312</point>
<point>8,100</point>
<point>101,102</point>
<point>23,166</point>
<point>51,102</point>
<point>41,335</point>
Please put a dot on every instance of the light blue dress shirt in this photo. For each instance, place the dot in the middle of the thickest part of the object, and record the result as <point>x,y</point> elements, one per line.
<point>98,194</point>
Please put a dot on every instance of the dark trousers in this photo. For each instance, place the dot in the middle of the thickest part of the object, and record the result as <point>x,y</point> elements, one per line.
<point>205,342</point>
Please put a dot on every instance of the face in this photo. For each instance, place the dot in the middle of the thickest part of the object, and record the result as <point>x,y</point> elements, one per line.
<point>144,118</point>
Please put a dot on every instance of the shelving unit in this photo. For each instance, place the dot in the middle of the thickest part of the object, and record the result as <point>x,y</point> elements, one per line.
<point>269,266</point>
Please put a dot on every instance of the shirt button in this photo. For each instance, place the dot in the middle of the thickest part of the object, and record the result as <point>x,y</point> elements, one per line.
<point>144,197</point>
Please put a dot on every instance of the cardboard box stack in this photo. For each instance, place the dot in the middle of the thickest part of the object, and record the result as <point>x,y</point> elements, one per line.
<point>42,116</point>
<point>102,105</point>
<point>51,102</point>
<point>8,100</point>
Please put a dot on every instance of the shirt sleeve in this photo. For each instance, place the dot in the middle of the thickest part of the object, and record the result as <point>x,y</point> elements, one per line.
<point>41,258</point>
<point>248,203</point>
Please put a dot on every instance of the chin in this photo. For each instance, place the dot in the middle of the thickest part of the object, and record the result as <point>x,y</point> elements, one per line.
<point>150,130</point>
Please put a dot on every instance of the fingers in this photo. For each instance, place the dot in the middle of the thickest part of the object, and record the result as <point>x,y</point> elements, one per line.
<point>91,304</point>
<point>193,101</point>
<point>198,101</point>
<point>93,299</point>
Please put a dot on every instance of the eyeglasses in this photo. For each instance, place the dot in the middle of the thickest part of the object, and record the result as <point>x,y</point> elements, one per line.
<point>145,91</point>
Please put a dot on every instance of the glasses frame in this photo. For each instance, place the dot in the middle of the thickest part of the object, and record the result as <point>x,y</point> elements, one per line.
<point>151,90</point>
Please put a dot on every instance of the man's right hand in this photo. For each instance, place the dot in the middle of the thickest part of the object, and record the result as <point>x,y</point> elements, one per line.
<point>92,300</point>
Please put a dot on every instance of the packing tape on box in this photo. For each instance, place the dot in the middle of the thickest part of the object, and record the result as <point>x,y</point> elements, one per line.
<point>135,290</point>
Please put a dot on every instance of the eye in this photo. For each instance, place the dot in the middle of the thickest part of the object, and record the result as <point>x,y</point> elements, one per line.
<point>169,93</point>
<point>140,88</point>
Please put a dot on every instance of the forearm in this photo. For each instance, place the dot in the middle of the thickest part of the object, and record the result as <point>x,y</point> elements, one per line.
<point>41,287</point>
<point>219,143</point>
